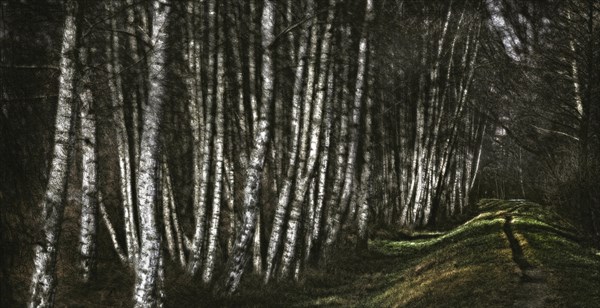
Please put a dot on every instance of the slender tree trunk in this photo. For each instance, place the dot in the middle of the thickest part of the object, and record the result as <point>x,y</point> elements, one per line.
<point>252,70</point>
<point>218,178</point>
<point>166,208</point>
<point>146,293</point>
<point>575,75</point>
<point>192,55</point>
<point>43,280</point>
<point>114,68</point>
<point>354,127</point>
<point>89,198</point>
<point>241,252</point>
<point>362,240</point>
<point>335,208</point>
<point>308,162</point>
<point>179,239</point>
<point>323,165</point>
<point>138,96</point>
<point>111,231</point>
<point>195,260</point>
<point>285,192</point>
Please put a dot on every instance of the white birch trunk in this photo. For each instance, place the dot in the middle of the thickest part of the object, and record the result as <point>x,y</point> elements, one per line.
<point>192,56</point>
<point>111,231</point>
<point>307,163</point>
<point>256,249</point>
<point>43,280</point>
<point>89,201</point>
<point>146,293</point>
<point>229,192</point>
<point>166,208</point>
<point>292,41</point>
<point>478,159</point>
<point>335,208</point>
<point>113,66</point>
<point>365,177</point>
<point>173,213</point>
<point>218,178</point>
<point>309,222</point>
<point>414,191</point>
<point>285,193</point>
<point>252,69</point>
<point>576,83</point>
<point>195,260</point>
<point>323,165</point>
<point>241,252</point>
<point>353,141</point>
<point>138,96</point>
<point>239,78</point>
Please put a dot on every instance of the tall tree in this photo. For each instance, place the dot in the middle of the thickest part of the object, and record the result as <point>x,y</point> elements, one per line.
<point>146,293</point>
<point>240,256</point>
<point>43,281</point>
<point>89,198</point>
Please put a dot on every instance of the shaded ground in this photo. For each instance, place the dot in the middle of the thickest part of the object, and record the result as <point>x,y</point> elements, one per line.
<point>513,254</point>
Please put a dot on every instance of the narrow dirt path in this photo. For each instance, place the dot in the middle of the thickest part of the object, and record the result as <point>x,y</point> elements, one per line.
<point>533,289</point>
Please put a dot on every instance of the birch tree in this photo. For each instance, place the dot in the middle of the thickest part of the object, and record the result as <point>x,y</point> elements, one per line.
<point>89,198</point>
<point>241,251</point>
<point>146,293</point>
<point>115,85</point>
<point>195,260</point>
<point>354,133</point>
<point>218,177</point>
<point>43,280</point>
<point>309,158</point>
<point>285,193</point>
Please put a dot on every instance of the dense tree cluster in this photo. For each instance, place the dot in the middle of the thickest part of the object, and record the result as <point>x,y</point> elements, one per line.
<point>221,137</point>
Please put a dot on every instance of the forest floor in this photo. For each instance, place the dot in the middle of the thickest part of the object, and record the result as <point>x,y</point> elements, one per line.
<point>504,254</point>
<point>511,254</point>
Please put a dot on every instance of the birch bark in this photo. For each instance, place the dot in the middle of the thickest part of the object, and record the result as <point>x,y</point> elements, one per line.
<point>43,280</point>
<point>113,66</point>
<point>195,260</point>
<point>308,162</point>
<point>218,178</point>
<point>323,166</point>
<point>285,193</point>
<point>241,251</point>
<point>89,198</point>
<point>147,293</point>
<point>365,177</point>
<point>354,126</point>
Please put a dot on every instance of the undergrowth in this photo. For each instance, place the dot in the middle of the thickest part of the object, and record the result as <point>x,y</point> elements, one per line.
<point>469,265</point>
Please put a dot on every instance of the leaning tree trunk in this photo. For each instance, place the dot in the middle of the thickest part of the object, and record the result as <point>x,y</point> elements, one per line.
<point>146,293</point>
<point>241,250</point>
<point>308,161</point>
<point>114,67</point>
<point>285,193</point>
<point>353,142</point>
<point>195,260</point>
<point>43,281</point>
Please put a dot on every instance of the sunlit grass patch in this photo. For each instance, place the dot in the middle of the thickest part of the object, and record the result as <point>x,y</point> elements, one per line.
<point>472,264</point>
<point>453,269</point>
